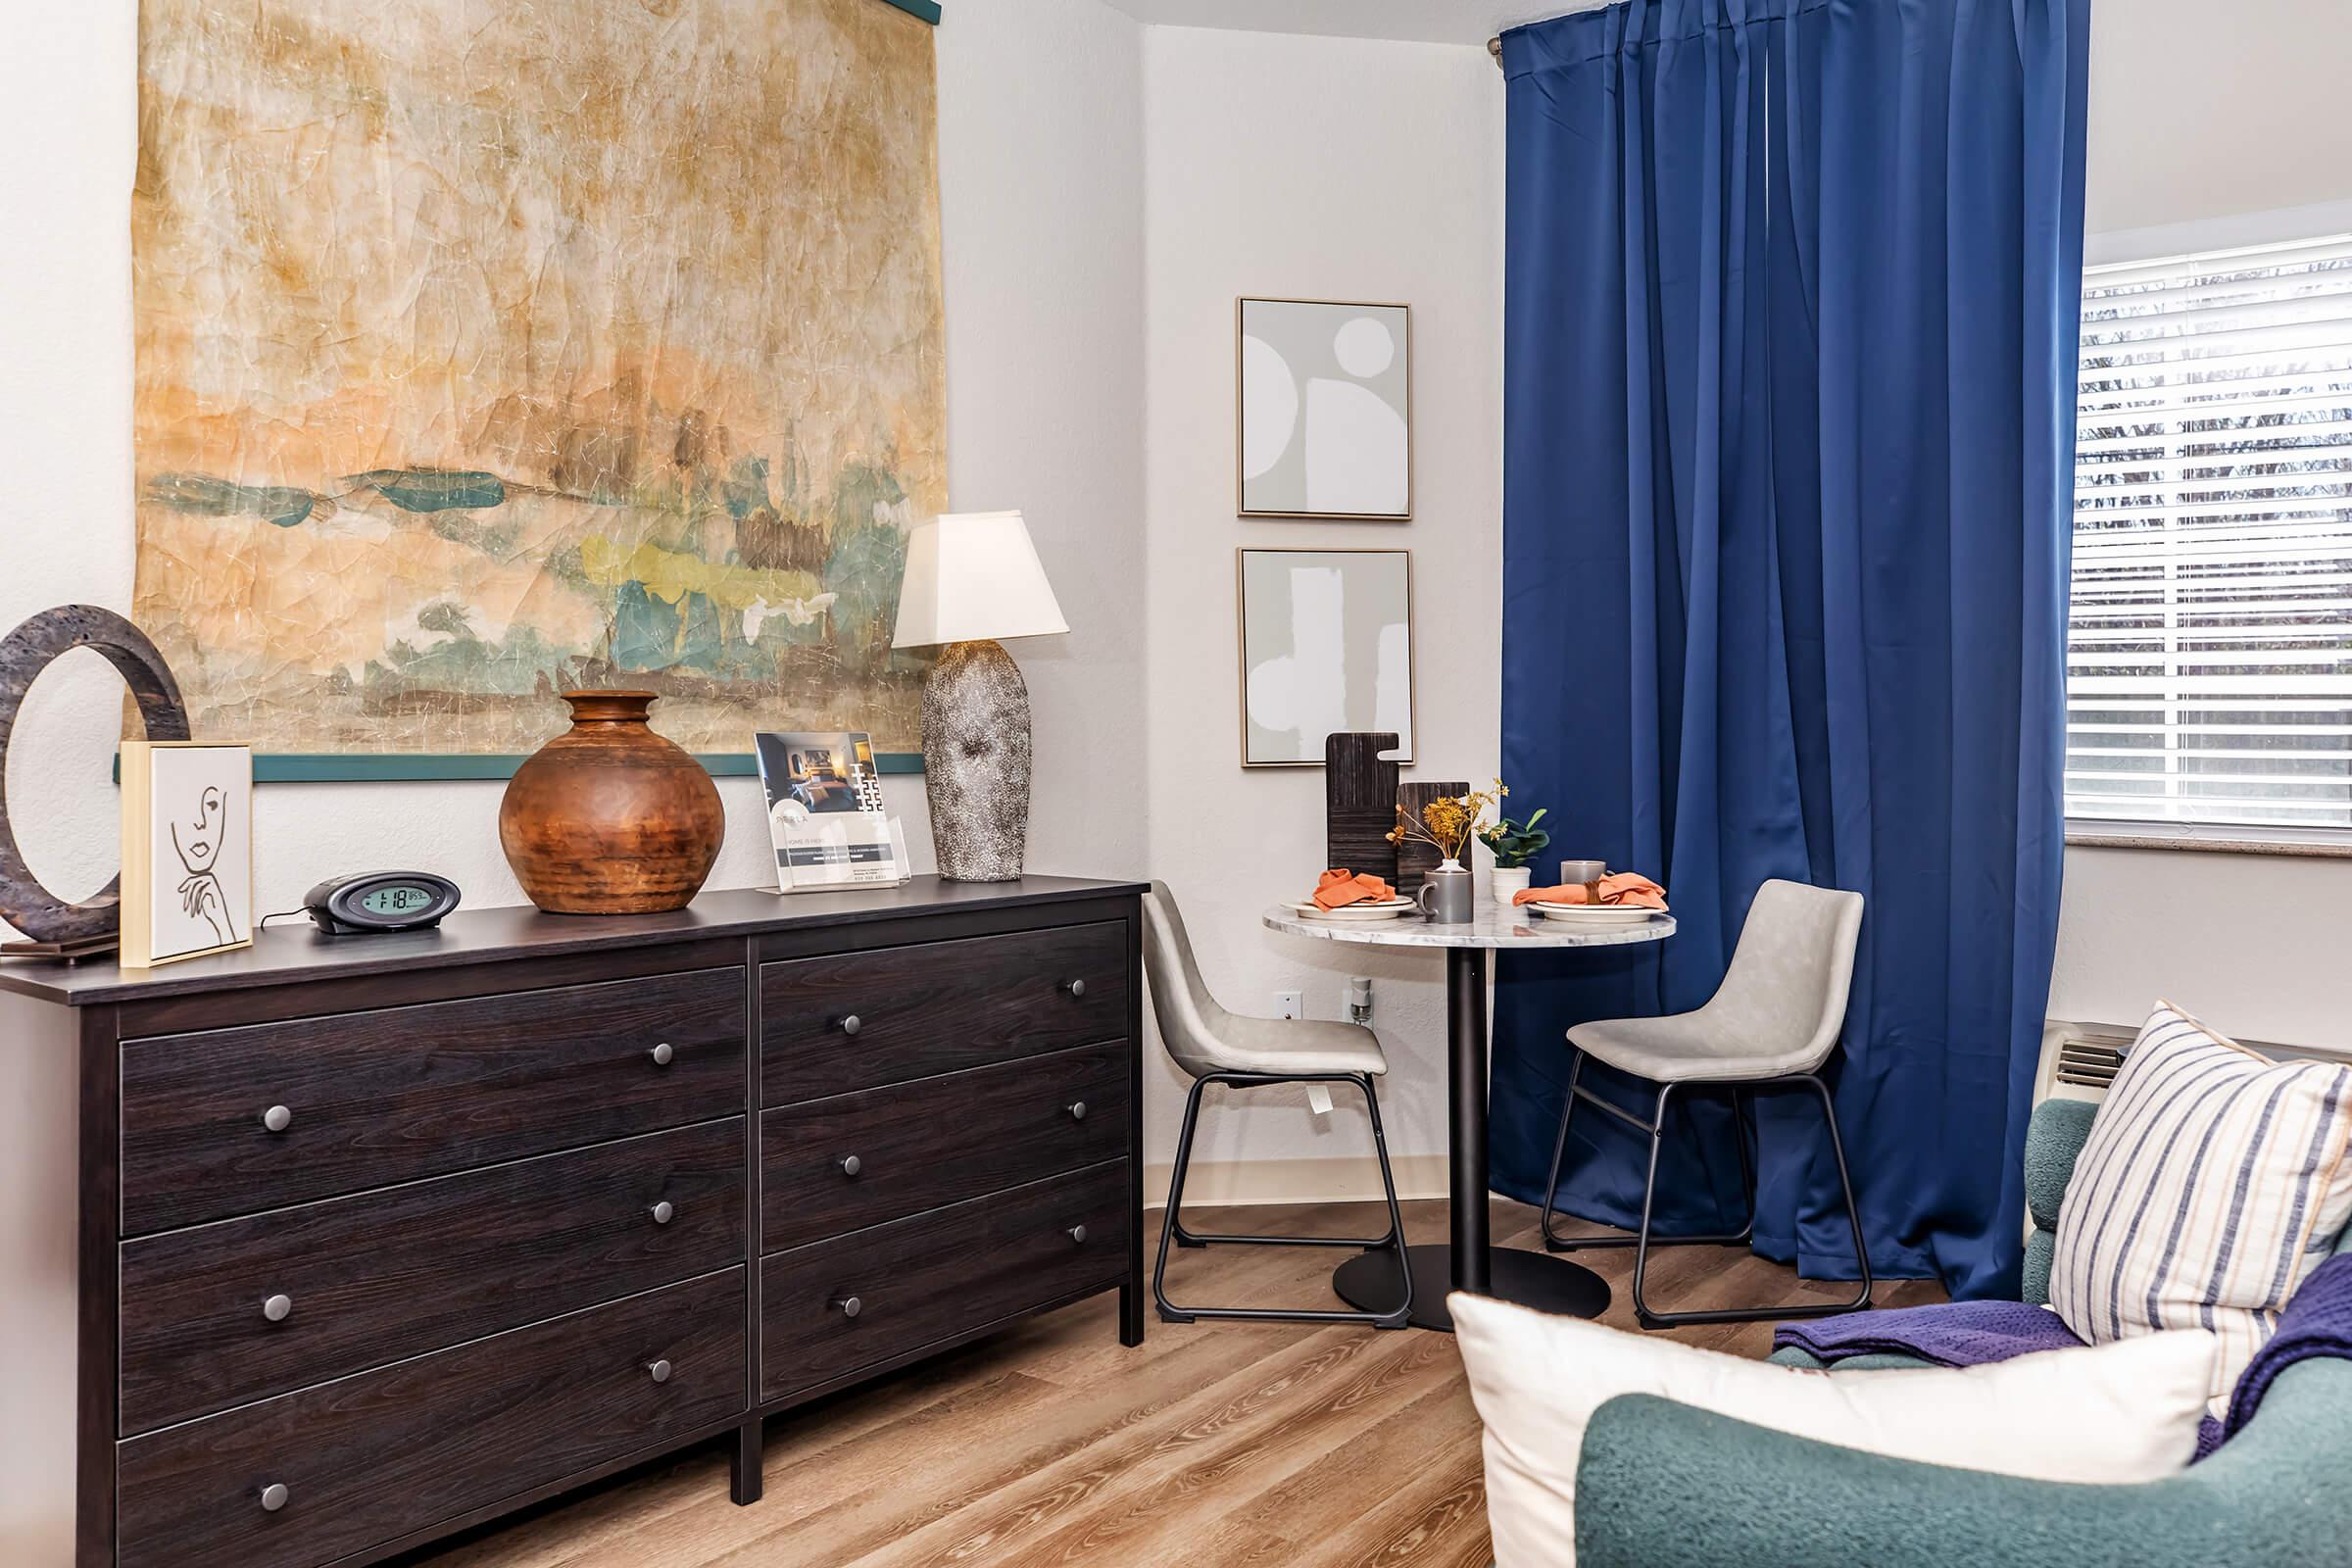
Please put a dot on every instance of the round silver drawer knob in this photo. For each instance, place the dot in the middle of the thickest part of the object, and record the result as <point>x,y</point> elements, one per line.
<point>852,1024</point>
<point>1073,988</point>
<point>663,1212</point>
<point>277,1118</point>
<point>659,1370</point>
<point>852,1165</point>
<point>664,1054</point>
<point>1078,1234</point>
<point>848,1306</point>
<point>279,1309</point>
<point>275,1496</point>
<point>1077,1111</point>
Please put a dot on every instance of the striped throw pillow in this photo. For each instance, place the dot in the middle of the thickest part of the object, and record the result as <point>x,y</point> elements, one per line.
<point>2214,1179</point>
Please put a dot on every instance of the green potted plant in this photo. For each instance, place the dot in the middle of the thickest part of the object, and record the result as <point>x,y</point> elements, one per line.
<point>1514,845</point>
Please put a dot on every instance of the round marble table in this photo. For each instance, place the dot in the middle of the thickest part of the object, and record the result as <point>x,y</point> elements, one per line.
<point>1470,1262</point>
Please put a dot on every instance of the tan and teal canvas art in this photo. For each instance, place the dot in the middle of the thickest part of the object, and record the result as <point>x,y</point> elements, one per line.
<point>488,348</point>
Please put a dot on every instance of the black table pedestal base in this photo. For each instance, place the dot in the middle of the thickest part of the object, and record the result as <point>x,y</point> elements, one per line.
<point>1534,1280</point>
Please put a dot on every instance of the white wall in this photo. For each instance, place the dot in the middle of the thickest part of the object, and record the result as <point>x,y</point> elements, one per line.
<point>1041,154</point>
<point>2200,111</point>
<point>1040,189</point>
<point>1323,168</point>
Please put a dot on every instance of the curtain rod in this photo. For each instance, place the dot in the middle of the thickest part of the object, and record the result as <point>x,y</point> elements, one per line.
<point>1494,48</point>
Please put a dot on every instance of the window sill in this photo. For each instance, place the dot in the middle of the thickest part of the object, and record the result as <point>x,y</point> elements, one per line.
<point>2131,835</point>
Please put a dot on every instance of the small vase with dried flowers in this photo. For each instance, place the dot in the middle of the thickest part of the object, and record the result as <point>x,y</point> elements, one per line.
<point>1447,823</point>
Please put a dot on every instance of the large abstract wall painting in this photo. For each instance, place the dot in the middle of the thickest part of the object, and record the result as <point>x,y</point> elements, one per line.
<point>492,348</point>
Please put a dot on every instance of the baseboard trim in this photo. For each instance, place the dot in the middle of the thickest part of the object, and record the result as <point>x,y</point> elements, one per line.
<point>1247,1182</point>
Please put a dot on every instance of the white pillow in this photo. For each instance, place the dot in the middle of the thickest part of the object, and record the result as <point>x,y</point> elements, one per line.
<point>2213,1180</point>
<point>2122,1413</point>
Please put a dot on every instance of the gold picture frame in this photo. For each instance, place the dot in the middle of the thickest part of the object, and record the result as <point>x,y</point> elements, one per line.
<point>168,807</point>
<point>1241,410</point>
<point>1409,731</point>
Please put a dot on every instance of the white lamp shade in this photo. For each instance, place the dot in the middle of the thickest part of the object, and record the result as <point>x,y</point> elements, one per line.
<point>973,575</point>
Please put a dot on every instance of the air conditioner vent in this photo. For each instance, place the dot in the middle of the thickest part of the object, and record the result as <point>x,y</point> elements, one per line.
<point>2089,1061</point>
<point>2081,1060</point>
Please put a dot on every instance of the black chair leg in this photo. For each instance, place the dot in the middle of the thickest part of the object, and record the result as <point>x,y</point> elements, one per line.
<point>1650,1194</point>
<point>1167,1229</point>
<point>1740,1123</point>
<point>1172,1226</point>
<point>1754,1315</point>
<point>1845,1185</point>
<point>1555,1243</point>
<point>1560,1149</point>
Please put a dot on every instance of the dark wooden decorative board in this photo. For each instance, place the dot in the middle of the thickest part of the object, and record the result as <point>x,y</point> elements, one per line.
<point>1359,802</point>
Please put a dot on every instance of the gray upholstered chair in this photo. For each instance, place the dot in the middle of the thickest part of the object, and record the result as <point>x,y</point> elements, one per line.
<point>1771,1023</point>
<point>1217,1047</point>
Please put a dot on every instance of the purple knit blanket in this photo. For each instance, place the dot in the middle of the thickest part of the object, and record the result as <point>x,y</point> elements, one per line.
<point>2318,1321</point>
<point>1948,1332</point>
<point>1970,1334</point>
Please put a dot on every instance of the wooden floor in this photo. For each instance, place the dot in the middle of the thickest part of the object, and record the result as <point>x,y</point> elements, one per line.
<point>1212,1444</point>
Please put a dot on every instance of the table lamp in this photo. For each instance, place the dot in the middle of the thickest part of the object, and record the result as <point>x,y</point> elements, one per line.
<point>971,578</point>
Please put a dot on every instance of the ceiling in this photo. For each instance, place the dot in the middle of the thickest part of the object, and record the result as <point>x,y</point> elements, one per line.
<point>1420,21</point>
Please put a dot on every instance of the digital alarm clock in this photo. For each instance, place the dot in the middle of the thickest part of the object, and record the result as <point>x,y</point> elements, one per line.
<point>379,901</point>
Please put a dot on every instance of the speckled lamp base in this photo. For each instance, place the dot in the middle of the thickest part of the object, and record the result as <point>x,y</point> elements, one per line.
<point>977,762</point>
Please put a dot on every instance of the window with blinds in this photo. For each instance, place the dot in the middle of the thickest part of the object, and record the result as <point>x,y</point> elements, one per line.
<point>2210,649</point>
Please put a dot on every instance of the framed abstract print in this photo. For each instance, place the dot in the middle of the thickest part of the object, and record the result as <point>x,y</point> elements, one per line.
<point>1324,409</point>
<point>1327,647</point>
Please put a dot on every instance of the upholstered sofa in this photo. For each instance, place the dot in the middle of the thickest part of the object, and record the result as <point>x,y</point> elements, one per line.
<point>1661,1485</point>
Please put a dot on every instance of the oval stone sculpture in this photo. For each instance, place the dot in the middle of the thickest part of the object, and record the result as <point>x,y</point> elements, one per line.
<point>609,817</point>
<point>25,653</point>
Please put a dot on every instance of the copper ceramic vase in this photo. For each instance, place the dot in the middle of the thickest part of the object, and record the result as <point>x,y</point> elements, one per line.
<point>608,817</point>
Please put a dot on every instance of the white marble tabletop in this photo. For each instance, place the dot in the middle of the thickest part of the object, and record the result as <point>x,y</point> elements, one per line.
<point>1494,927</point>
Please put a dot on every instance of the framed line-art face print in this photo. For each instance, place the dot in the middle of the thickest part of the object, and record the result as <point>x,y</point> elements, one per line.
<point>1324,409</point>
<point>187,850</point>
<point>1326,647</point>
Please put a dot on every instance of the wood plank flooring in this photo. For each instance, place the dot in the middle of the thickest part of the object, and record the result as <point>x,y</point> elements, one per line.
<point>1213,1446</point>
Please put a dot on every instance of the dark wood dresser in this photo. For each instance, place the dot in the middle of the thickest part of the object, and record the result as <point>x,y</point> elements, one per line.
<point>379,1238</point>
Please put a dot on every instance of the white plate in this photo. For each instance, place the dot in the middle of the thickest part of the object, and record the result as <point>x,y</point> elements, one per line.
<point>1605,915</point>
<point>1356,912</point>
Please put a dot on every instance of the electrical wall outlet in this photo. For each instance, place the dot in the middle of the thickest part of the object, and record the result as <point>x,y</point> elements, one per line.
<point>1290,1004</point>
<point>1359,999</point>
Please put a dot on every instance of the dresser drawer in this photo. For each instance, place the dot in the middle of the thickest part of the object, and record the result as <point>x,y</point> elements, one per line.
<point>859,1020</point>
<point>372,1457</point>
<point>402,1092</point>
<point>918,1280</point>
<point>360,1281</point>
<point>938,1140</point>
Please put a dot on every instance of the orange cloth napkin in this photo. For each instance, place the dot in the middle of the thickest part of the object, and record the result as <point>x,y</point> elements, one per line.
<point>1339,888</point>
<point>1623,887</point>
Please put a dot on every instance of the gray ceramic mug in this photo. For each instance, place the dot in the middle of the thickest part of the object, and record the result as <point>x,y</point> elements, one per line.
<point>1445,896</point>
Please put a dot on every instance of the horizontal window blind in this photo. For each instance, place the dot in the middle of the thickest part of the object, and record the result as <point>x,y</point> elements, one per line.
<point>2210,649</point>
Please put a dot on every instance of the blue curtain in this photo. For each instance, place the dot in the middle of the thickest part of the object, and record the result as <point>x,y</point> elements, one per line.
<point>1791,330</point>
